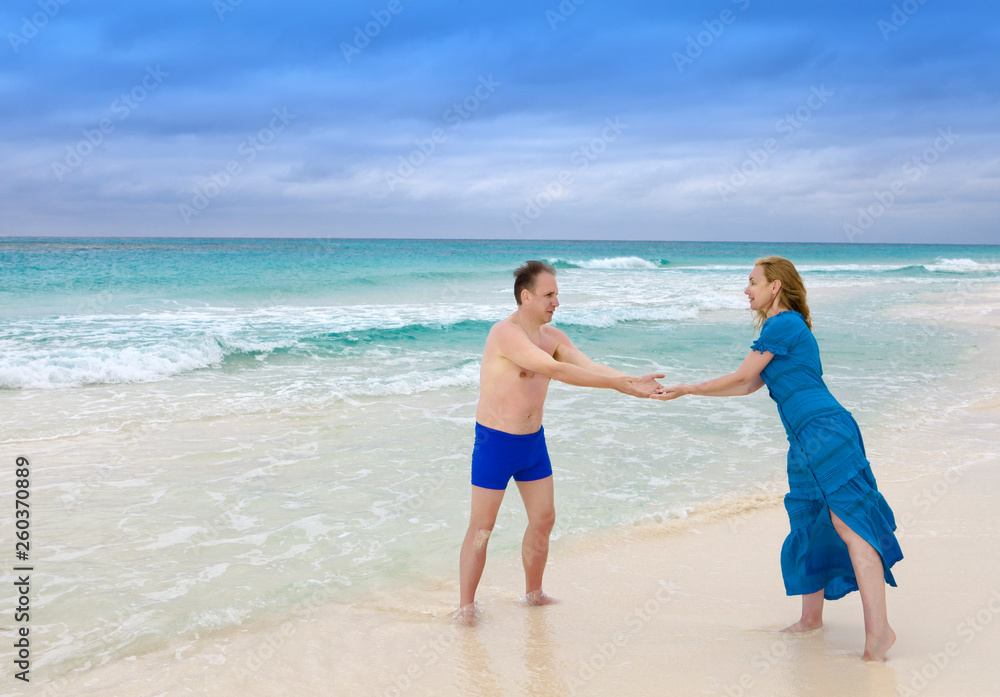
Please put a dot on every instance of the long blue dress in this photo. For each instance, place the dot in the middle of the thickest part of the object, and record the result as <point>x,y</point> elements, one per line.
<point>827,468</point>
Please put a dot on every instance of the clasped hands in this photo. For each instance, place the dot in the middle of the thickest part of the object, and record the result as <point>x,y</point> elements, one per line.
<point>648,387</point>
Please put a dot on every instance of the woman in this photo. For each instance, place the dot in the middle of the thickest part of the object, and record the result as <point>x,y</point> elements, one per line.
<point>841,536</point>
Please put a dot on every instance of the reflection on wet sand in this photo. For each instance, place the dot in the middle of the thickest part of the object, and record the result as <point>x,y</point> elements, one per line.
<point>546,673</point>
<point>475,674</point>
<point>527,663</point>
<point>789,665</point>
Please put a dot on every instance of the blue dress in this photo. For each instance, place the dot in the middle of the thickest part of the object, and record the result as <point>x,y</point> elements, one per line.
<point>827,468</point>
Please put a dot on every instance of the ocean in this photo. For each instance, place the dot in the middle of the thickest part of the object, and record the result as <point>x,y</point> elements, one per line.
<point>219,428</point>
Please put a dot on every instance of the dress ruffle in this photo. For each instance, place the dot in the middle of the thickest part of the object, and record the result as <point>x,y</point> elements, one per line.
<point>814,557</point>
<point>762,346</point>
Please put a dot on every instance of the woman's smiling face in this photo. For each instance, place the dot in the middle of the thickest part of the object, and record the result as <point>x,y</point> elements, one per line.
<point>760,292</point>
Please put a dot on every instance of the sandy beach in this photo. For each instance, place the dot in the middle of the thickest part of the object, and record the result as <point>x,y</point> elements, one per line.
<point>674,607</point>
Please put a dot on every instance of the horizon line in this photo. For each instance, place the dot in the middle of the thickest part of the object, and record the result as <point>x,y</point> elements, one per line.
<point>487,239</point>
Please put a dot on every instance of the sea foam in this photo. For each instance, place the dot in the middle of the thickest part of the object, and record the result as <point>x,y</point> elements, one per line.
<point>963,266</point>
<point>607,263</point>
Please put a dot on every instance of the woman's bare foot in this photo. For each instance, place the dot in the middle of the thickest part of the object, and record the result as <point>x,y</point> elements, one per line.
<point>538,597</point>
<point>466,615</point>
<point>803,625</point>
<point>876,647</point>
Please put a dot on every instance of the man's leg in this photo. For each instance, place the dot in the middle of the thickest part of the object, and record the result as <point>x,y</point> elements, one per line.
<point>485,505</point>
<point>540,505</point>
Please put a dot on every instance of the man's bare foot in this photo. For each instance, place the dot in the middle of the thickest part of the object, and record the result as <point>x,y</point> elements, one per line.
<point>803,625</point>
<point>467,615</point>
<point>876,647</point>
<point>538,597</point>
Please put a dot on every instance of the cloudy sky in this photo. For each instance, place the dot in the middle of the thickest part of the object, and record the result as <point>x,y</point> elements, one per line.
<point>850,121</point>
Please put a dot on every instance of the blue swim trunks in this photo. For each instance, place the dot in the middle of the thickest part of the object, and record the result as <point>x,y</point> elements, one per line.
<point>498,456</point>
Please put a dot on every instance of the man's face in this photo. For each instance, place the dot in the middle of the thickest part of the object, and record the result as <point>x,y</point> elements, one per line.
<point>544,299</point>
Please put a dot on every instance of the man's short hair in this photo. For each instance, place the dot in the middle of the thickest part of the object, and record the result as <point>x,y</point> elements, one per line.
<point>527,273</point>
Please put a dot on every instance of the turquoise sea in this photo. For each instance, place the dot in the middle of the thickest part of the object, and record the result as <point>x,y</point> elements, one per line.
<point>218,428</point>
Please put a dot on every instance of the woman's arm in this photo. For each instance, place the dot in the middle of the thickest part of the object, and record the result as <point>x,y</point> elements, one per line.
<point>737,391</point>
<point>744,380</point>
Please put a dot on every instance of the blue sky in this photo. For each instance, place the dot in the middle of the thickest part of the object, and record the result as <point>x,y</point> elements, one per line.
<point>705,120</point>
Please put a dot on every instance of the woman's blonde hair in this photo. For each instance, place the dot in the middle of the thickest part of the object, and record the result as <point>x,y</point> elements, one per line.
<point>793,290</point>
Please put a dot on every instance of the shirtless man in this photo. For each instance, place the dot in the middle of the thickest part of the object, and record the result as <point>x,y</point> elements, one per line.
<point>522,354</point>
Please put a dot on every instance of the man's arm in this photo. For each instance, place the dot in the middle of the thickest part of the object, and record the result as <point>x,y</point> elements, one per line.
<point>567,352</point>
<point>514,345</point>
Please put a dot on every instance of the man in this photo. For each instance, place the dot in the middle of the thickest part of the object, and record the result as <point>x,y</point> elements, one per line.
<point>522,354</point>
